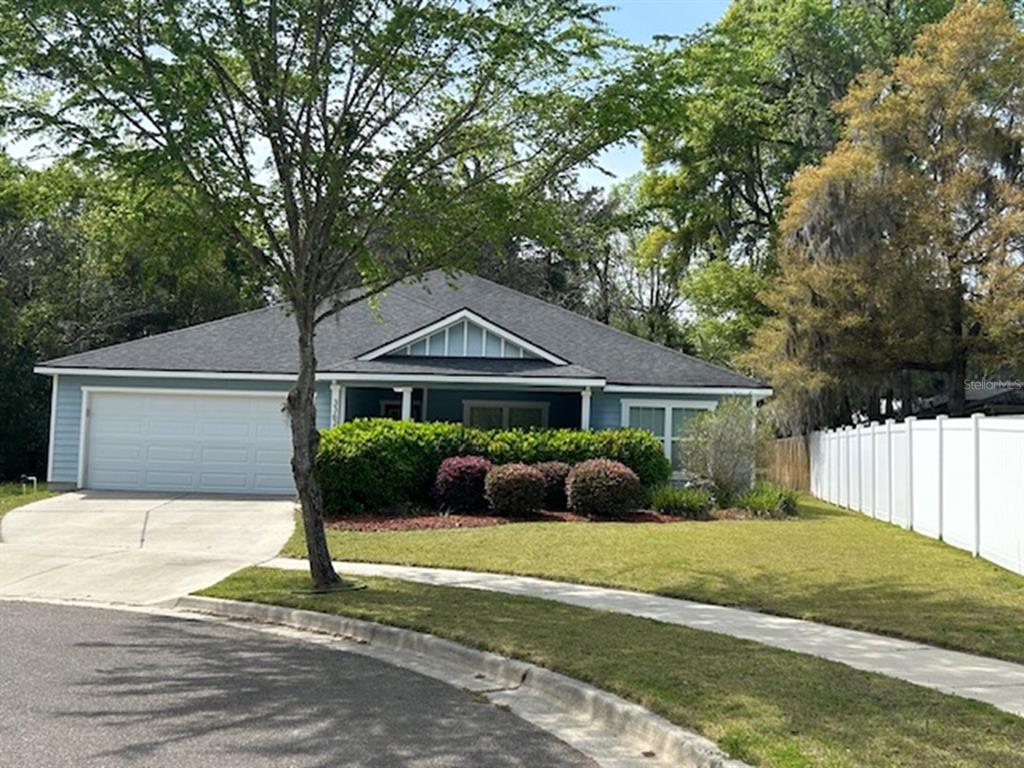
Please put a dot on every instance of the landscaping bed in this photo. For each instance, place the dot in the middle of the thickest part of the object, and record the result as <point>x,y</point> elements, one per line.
<point>372,470</point>
<point>425,520</point>
<point>763,705</point>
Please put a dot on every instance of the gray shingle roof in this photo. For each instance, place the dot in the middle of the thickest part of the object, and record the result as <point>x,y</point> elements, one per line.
<point>263,341</point>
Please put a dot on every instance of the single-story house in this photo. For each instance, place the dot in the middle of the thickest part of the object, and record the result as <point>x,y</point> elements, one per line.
<point>200,409</point>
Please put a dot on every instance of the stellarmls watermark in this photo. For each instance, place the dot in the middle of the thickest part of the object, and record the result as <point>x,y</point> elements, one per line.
<point>992,385</point>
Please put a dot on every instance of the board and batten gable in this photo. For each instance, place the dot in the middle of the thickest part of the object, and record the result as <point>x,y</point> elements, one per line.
<point>66,429</point>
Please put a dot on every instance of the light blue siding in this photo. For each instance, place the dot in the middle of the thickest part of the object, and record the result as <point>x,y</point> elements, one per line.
<point>455,336</point>
<point>67,426</point>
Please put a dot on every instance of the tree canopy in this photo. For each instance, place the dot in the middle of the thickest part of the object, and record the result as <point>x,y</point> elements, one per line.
<point>87,259</point>
<point>748,102</point>
<point>903,250</point>
<point>341,146</point>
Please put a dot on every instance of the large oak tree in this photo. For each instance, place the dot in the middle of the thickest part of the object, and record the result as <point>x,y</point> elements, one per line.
<point>342,144</point>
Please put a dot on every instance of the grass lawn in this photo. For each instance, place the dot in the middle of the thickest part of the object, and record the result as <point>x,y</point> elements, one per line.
<point>11,496</point>
<point>829,565</point>
<point>763,705</point>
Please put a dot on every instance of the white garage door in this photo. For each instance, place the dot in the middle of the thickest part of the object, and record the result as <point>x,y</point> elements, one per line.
<point>188,442</point>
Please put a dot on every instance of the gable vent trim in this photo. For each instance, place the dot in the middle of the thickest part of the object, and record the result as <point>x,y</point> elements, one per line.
<point>468,316</point>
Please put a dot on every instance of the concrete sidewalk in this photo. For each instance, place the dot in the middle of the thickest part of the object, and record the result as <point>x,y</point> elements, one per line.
<point>999,683</point>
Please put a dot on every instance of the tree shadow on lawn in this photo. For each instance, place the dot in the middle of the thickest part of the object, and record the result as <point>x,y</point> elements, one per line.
<point>169,687</point>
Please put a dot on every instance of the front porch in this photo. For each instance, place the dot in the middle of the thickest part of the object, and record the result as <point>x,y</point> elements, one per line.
<point>486,407</point>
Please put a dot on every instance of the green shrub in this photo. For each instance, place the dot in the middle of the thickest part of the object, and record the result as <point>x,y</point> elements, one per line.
<point>514,489</point>
<point>555,473</point>
<point>459,485</point>
<point>371,463</point>
<point>719,449</point>
<point>602,488</point>
<point>691,503</point>
<point>769,500</point>
<point>636,448</point>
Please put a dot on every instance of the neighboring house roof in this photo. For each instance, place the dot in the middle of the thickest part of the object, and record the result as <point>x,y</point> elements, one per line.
<point>264,341</point>
<point>995,397</point>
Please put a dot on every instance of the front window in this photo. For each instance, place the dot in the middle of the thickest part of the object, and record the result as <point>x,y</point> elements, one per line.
<point>667,421</point>
<point>490,414</point>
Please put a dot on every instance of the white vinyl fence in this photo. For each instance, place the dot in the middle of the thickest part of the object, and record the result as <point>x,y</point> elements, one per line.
<point>956,479</point>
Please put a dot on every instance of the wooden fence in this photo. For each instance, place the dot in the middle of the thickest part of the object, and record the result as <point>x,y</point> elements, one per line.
<point>786,461</point>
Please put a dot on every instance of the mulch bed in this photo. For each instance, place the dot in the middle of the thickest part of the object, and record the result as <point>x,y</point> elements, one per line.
<point>425,521</point>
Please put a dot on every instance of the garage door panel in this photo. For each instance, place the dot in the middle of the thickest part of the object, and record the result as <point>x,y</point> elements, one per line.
<point>121,426</point>
<point>268,483</point>
<point>226,430</point>
<point>268,432</point>
<point>225,455</point>
<point>184,453</point>
<point>164,480</point>
<point>224,481</point>
<point>117,478</point>
<point>188,442</point>
<point>278,457</point>
<point>117,452</point>
<point>170,429</point>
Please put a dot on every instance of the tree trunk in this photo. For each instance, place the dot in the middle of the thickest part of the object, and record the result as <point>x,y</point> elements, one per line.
<point>874,408</point>
<point>305,440</point>
<point>956,375</point>
<point>906,394</point>
<point>956,383</point>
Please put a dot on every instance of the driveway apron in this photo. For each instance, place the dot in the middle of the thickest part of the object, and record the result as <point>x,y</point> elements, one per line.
<point>140,549</point>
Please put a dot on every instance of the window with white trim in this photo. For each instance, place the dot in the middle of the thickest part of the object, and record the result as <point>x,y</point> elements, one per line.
<point>667,420</point>
<point>501,414</point>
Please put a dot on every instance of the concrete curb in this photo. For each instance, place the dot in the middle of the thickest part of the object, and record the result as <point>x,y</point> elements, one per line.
<point>670,743</point>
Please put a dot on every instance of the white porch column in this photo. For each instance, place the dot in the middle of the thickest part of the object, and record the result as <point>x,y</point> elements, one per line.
<point>406,402</point>
<point>337,403</point>
<point>585,395</point>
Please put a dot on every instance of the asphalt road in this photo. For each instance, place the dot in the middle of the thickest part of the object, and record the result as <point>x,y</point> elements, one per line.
<point>93,687</point>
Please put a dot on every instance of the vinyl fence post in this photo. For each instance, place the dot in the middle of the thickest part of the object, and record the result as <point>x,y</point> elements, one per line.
<point>874,469</point>
<point>826,441</point>
<point>940,422</point>
<point>889,468</point>
<point>909,421</point>
<point>976,451</point>
<point>860,468</point>
<point>849,467</point>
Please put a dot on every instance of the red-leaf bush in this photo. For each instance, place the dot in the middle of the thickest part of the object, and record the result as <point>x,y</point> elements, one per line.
<point>459,485</point>
<point>602,488</point>
<point>514,489</point>
<point>554,473</point>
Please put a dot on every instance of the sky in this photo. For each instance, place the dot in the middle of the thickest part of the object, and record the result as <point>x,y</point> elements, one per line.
<point>639,21</point>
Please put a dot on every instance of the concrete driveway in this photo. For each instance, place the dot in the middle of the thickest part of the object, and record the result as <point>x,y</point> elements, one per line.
<point>135,548</point>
